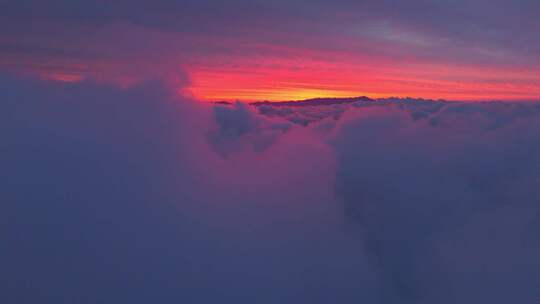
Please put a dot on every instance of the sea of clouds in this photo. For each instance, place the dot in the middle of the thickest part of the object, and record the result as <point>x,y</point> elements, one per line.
<point>138,195</point>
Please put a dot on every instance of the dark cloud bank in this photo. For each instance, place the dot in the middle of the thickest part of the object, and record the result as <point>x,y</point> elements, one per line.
<point>136,196</point>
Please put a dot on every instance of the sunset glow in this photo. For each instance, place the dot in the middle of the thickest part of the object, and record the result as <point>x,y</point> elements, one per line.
<point>276,84</point>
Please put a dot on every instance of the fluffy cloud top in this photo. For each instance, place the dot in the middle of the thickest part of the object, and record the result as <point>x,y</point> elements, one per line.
<point>136,195</point>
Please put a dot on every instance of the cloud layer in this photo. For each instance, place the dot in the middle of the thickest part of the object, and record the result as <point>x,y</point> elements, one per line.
<point>136,195</point>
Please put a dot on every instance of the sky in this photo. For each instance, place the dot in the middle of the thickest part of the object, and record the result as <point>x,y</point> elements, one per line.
<point>282,50</point>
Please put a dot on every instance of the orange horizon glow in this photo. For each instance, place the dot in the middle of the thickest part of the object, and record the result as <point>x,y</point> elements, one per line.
<point>271,78</point>
<point>345,74</point>
<point>430,82</point>
<point>249,84</point>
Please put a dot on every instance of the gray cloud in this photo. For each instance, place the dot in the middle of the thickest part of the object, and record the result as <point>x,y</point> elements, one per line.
<point>133,195</point>
<point>446,200</point>
<point>117,195</point>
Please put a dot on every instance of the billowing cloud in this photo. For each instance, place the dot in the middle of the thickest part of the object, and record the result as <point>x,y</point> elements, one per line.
<point>137,195</point>
<point>119,195</point>
<point>446,198</point>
